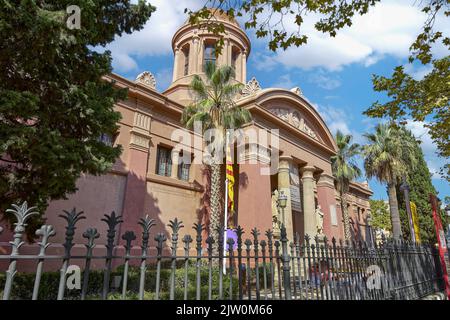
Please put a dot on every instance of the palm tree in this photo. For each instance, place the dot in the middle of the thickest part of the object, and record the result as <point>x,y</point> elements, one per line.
<point>214,107</point>
<point>345,170</point>
<point>384,160</point>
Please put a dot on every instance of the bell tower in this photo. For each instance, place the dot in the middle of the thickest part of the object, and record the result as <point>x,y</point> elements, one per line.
<point>194,46</point>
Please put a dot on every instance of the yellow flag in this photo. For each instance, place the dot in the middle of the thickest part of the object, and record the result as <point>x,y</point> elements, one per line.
<point>415,219</point>
<point>230,177</point>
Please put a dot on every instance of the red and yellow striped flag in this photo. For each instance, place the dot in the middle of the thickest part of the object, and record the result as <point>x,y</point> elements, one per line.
<point>230,177</point>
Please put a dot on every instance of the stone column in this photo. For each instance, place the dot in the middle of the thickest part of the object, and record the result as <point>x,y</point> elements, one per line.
<point>308,200</point>
<point>223,58</point>
<point>229,52</point>
<point>244,67</point>
<point>200,56</point>
<point>284,186</point>
<point>327,202</point>
<point>254,197</point>
<point>175,64</point>
<point>193,60</point>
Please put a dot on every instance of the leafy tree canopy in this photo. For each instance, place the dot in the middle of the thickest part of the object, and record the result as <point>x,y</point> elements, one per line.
<point>381,218</point>
<point>54,102</point>
<point>268,17</point>
<point>420,185</point>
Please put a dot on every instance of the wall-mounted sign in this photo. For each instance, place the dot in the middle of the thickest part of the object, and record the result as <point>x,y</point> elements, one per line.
<point>333,215</point>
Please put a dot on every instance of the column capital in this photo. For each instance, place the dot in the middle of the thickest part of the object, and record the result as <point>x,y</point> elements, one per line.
<point>284,162</point>
<point>254,155</point>
<point>308,172</point>
<point>325,180</point>
<point>286,158</point>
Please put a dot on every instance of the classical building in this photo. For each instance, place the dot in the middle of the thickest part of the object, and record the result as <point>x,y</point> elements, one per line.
<point>145,180</point>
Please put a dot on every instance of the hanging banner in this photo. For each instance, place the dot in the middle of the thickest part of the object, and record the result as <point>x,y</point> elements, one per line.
<point>294,179</point>
<point>415,220</point>
<point>440,235</point>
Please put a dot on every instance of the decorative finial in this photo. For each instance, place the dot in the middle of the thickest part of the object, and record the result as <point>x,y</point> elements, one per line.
<point>297,91</point>
<point>251,87</point>
<point>147,79</point>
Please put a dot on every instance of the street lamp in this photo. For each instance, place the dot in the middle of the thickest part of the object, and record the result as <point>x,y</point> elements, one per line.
<point>369,226</point>
<point>405,188</point>
<point>282,203</point>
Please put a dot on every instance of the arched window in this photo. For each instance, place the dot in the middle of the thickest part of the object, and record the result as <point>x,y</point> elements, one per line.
<point>209,54</point>
<point>234,58</point>
<point>186,60</point>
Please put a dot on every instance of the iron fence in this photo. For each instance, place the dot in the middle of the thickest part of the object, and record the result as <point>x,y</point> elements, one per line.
<point>259,267</point>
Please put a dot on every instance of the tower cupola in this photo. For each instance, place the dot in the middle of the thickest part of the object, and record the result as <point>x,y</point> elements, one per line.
<point>194,46</point>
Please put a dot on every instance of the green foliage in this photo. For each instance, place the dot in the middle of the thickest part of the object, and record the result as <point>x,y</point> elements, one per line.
<point>54,101</point>
<point>268,17</point>
<point>381,218</point>
<point>214,108</point>
<point>23,284</point>
<point>214,105</point>
<point>345,170</point>
<point>385,154</point>
<point>420,185</point>
<point>387,157</point>
<point>343,163</point>
<point>419,100</point>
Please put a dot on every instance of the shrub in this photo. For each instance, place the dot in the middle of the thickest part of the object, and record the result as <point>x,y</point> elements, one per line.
<point>24,282</point>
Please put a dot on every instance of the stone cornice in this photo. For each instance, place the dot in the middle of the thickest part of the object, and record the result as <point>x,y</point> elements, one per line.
<point>193,186</point>
<point>361,188</point>
<point>145,94</point>
<point>326,180</point>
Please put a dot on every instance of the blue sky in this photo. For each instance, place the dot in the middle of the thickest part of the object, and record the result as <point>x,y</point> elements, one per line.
<point>333,73</point>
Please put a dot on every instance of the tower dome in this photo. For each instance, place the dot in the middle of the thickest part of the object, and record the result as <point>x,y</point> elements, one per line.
<point>194,46</point>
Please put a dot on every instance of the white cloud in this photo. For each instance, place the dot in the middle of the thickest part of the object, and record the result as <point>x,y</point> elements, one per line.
<point>324,81</point>
<point>388,29</point>
<point>123,62</point>
<point>417,72</point>
<point>262,62</point>
<point>155,38</point>
<point>284,82</point>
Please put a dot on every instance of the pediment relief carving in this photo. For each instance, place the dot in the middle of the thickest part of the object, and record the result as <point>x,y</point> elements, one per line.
<point>294,118</point>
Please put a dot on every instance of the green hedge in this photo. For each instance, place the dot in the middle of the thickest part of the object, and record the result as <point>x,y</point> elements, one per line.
<point>24,282</point>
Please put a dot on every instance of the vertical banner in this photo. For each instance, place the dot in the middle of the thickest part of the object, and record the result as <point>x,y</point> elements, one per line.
<point>229,223</point>
<point>415,220</point>
<point>443,253</point>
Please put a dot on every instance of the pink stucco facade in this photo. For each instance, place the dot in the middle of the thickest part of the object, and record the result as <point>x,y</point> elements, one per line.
<point>135,187</point>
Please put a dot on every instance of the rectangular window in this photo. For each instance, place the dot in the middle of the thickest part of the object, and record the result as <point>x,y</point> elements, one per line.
<point>164,167</point>
<point>183,168</point>
<point>107,139</point>
<point>234,57</point>
<point>209,54</point>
